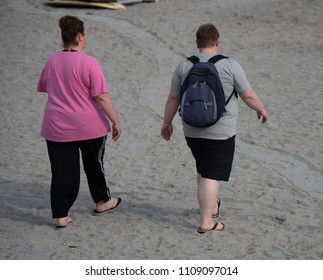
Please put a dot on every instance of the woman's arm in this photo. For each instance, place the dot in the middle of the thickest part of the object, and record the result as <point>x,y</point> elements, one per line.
<point>108,108</point>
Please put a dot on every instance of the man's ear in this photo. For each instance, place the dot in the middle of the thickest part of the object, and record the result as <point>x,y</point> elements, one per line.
<point>217,42</point>
<point>197,45</point>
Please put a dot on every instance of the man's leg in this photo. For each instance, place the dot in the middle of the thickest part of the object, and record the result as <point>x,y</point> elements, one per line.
<point>207,194</point>
<point>215,209</point>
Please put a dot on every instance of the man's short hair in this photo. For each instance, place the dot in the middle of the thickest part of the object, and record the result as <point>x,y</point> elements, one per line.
<point>207,35</point>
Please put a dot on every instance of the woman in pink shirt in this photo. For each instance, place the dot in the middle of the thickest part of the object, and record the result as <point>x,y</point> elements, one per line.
<point>77,118</point>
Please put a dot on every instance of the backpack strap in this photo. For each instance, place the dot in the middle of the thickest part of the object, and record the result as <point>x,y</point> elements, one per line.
<point>216,58</point>
<point>194,59</point>
<point>234,92</point>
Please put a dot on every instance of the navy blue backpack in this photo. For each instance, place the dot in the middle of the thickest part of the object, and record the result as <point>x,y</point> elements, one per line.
<point>202,101</point>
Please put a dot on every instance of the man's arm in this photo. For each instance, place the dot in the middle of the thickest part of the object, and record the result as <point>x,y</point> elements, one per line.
<point>171,108</point>
<point>252,100</point>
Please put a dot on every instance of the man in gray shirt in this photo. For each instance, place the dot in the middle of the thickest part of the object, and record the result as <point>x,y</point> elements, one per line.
<point>212,147</point>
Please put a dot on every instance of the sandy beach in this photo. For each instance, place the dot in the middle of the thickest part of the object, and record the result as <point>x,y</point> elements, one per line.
<point>272,205</point>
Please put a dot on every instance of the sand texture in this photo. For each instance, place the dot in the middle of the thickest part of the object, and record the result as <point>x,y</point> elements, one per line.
<point>272,205</point>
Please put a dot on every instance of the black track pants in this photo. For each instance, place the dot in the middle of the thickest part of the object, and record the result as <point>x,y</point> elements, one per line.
<point>65,165</point>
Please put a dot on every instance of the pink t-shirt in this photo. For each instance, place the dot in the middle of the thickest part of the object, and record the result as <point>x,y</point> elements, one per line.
<point>72,80</point>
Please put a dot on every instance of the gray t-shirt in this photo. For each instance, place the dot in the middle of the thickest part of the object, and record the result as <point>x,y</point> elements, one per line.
<point>231,76</point>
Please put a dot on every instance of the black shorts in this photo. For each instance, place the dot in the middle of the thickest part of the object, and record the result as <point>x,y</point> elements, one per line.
<point>213,158</point>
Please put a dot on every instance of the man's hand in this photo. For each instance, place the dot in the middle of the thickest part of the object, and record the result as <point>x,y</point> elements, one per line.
<point>167,131</point>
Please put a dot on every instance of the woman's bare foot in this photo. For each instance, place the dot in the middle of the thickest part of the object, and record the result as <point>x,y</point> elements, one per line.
<point>102,206</point>
<point>63,222</point>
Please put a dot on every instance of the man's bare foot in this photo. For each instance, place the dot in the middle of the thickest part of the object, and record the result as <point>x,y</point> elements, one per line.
<point>217,226</point>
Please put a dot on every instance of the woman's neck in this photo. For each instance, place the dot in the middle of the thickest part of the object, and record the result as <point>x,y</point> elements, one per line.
<point>72,49</point>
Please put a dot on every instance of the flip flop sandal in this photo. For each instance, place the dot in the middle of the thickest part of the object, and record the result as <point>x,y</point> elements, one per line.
<point>199,230</point>
<point>105,211</point>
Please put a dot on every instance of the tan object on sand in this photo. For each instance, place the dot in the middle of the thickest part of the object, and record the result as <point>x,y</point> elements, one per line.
<point>105,5</point>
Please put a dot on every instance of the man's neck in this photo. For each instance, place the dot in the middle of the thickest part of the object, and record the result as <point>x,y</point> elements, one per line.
<point>213,50</point>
